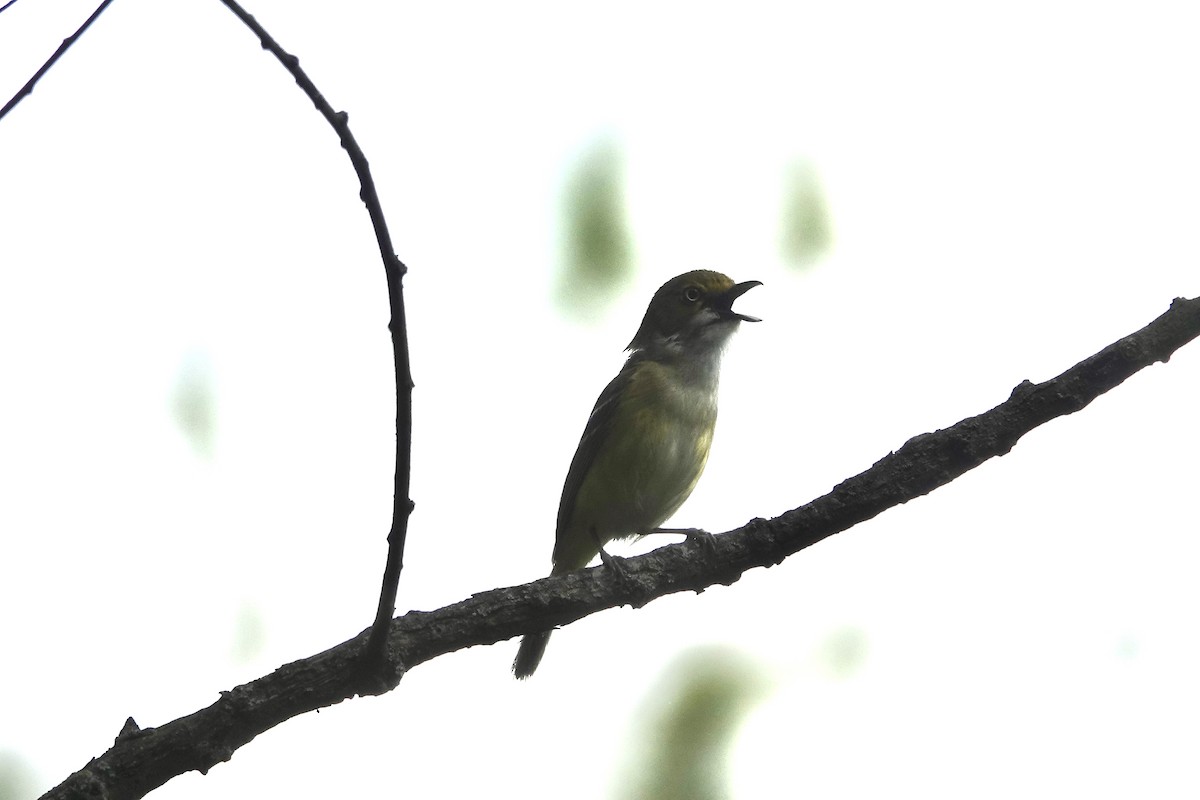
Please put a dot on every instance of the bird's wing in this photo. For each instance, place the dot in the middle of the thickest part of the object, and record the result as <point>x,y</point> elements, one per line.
<point>594,435</point>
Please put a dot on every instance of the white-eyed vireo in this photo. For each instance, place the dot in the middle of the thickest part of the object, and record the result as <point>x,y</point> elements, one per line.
<point>648,437</point>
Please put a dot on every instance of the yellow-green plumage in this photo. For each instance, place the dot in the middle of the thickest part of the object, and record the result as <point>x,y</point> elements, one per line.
<point>648,437</point>
<point>631,483</point>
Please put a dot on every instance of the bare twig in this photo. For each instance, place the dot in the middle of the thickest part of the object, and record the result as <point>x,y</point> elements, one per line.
<point>380,672</point>
<point>27,89</point>
<point>141,760</point>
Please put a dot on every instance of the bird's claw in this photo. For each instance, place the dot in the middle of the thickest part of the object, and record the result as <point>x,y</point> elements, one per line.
<point>706,541</point>
<point>616,565</point>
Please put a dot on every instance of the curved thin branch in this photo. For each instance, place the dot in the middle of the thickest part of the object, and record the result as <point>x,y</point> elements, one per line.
<point>141,760</point>
<point>379,673</point>
<point>27,89</point>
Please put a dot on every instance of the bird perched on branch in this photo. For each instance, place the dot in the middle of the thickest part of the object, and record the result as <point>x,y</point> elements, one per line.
<point>648,437</point>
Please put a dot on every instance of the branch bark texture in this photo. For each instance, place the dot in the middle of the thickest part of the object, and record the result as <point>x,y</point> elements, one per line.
<point>141,760</point>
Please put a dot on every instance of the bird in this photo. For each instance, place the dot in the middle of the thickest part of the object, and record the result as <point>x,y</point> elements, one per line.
<point>647,439</point>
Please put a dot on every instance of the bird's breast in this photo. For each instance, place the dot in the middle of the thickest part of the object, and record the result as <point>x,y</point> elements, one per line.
<point>655,452</point>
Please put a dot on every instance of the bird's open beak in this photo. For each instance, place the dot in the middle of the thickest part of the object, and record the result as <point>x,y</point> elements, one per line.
<point>724,302</point>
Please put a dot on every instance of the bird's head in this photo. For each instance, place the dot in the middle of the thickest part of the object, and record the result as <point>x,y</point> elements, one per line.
<point>693,312</point>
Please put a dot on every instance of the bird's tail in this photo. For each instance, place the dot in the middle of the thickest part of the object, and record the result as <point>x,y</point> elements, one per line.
<point>529,654</point>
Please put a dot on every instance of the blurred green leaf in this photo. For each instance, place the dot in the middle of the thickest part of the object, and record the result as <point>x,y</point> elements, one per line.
<point>194,404</point>
<point>690,721</point>
<point>249,634</point>
<point>806,231</point>
<point>844,651</point>
<point>16,777</point>
<point>598,251</point>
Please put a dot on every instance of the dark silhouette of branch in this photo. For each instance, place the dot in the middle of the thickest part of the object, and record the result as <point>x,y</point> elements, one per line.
<point>27,89</point>
<point>141,760</point>
<point>375,670</point>
<point>379,673</point>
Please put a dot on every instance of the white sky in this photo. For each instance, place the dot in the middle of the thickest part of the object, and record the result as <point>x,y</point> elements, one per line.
<point>1010,191</point>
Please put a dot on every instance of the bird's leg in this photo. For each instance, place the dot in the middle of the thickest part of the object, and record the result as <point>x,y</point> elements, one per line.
<point>612,562</point>
<point>697,535</point>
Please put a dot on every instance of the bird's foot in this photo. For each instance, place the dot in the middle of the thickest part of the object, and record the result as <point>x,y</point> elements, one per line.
<point>616,565</point>
<point>706,540</point>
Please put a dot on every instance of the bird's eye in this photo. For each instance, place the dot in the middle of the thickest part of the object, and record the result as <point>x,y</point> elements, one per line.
<point>691,294</point>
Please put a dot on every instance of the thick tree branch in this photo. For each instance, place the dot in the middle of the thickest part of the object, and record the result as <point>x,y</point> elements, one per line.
<point>140,760</point>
